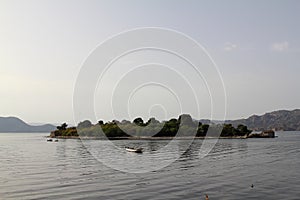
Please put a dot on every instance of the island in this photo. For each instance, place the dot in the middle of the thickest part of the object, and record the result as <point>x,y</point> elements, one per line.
<point>182,127</point>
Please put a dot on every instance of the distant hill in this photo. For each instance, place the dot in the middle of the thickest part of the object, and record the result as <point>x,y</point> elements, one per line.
<point>16,125</point>
<point>278,120</point>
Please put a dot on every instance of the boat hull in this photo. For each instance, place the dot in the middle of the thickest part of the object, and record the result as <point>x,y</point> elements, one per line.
<point>134,150</point>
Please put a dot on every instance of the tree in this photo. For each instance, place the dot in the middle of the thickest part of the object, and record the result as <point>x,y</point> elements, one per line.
<point>152,120</point>
<point>85,124</point>
<point>62,127</point>
<point>202,130</point>
<point>169,129</point>
<point>228,130</point>
<point>186,119</point>
<point>243,130</point>
<point>138,121</point>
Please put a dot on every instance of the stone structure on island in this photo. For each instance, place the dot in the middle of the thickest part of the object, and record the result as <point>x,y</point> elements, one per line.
<point>263,134</point>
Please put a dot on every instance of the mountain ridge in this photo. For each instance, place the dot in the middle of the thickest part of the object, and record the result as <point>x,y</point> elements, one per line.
<point>287,120</point>
<point>16,125</point>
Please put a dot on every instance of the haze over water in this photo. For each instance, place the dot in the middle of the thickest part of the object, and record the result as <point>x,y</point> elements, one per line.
<point>32,168</point>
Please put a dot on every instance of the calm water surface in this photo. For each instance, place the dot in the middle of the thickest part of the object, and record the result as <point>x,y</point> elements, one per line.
<point>31,168</point>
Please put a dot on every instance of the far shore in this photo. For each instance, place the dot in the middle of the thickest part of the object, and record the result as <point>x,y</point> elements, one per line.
<point>147,138</point>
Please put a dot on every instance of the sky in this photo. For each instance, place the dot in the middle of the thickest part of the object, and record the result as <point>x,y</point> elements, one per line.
<point>44,44</point>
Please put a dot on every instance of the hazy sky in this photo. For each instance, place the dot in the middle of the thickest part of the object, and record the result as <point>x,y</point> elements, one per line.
<point>43,45</point>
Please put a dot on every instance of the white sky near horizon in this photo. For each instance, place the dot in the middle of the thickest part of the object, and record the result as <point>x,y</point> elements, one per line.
<point>43,45</point>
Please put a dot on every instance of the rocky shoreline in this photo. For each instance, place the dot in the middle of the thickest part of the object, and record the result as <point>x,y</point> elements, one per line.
<point>264,134</point>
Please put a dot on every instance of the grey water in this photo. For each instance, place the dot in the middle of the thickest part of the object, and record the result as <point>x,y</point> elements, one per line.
<point>31,168</point>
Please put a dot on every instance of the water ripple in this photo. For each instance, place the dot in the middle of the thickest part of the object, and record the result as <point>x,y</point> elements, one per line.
<point>31,168</point>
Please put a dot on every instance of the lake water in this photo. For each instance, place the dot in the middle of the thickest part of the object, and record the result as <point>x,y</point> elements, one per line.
<point>31,168</point>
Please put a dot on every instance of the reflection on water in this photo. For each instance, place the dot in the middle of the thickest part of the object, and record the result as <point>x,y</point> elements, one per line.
<point>32,168</point>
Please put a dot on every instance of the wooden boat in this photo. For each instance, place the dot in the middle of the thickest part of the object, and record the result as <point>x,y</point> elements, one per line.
<point>135,150</point>
<point>49,140</point>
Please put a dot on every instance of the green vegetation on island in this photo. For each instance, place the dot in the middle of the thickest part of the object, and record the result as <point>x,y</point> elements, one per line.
<point>184,126</point>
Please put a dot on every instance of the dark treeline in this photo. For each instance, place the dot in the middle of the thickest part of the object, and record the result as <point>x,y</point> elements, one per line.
<point>183,126</point>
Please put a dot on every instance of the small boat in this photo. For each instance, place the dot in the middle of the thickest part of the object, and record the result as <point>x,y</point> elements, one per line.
<point>135,150</point>
<point>49,140</point>
<point>56,140</point>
